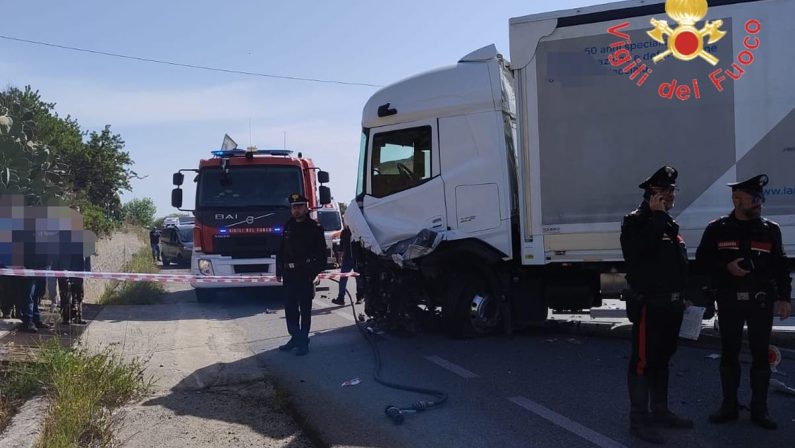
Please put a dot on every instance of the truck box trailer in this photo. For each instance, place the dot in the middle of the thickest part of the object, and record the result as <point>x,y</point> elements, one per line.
<point>490,191</point>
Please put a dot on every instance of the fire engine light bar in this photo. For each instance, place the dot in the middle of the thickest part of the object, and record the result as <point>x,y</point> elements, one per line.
<point>243,152</point>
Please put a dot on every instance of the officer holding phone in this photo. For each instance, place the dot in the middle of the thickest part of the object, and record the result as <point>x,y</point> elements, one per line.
<point>744,258</point>
<point>656,263</point>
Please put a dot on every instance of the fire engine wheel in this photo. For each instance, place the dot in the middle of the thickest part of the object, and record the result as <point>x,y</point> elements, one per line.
<point>471,308</point>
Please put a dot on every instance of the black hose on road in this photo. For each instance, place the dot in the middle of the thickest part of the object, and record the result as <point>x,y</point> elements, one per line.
<point>395,413</point>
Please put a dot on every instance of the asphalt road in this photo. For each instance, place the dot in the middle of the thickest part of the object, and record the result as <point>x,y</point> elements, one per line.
<point>540,388</point>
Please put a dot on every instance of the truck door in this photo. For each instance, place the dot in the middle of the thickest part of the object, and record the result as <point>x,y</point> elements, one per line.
<point>404,192</point>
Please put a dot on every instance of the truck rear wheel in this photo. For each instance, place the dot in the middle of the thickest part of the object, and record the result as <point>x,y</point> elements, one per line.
<point>471,308</point>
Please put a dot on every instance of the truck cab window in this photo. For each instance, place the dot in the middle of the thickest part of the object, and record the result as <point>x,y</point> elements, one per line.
<point>400,160</point>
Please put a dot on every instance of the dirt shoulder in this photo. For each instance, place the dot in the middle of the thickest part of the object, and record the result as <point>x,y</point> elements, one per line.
<point>209,390</point>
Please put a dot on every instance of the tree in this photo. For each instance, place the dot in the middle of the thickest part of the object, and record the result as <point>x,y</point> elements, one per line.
<point>44,157</point>
<point>140,212</point>
<point>27,166</point>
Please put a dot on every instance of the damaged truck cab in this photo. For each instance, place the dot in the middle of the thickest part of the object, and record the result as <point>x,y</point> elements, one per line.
<point>440,160</point>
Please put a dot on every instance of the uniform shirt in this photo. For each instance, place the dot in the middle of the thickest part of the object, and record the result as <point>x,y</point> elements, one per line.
<point>758,240</point>
<point>154,236</point>
<point>655,253</point>
<point>303,245</point>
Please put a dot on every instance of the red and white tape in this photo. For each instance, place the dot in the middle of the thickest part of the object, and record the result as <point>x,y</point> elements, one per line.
<point>161,278</point>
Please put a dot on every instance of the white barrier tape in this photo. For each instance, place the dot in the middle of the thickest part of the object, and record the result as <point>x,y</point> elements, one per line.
<point>162,278</point>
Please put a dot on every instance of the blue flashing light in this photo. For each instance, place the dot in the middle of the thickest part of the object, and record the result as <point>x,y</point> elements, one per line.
<point>243,152</point>
<point>223,231</point>
<point>277,230</point>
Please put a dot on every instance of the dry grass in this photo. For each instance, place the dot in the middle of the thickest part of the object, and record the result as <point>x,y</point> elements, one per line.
<point>134,293</point>
<point>18,383</point>
<point>83,388</point>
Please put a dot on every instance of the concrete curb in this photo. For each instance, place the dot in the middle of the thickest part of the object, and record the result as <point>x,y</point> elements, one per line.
<point>293,411</point>
<point>26,426</point>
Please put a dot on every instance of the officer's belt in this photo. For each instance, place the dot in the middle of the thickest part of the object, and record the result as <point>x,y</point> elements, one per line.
<point>743,296</point>
<point>299,264</point>
<point>662,298</point>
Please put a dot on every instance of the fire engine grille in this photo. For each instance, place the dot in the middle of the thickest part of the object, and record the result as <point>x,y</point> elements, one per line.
<point>246,246</point>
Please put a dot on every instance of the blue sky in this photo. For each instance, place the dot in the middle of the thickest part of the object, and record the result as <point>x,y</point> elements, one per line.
<point>170,117</point>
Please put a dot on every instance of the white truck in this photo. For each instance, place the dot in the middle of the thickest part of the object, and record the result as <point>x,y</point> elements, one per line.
<point>490,191</point>
<point>330,218</point>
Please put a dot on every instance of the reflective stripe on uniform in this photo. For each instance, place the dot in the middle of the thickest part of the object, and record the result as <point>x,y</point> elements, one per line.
<point>641,367</point>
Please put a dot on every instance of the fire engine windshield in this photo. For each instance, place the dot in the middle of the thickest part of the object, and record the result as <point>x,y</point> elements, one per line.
<point>257,186</point>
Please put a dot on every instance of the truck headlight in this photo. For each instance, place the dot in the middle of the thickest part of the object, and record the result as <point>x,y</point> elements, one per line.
<point>205,267</point>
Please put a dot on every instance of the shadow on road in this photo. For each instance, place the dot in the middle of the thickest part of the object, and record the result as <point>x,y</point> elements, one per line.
<point>239,302</point>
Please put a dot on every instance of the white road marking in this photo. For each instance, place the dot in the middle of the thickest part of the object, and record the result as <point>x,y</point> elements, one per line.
<point>566,423</point>
<point>455,368</point>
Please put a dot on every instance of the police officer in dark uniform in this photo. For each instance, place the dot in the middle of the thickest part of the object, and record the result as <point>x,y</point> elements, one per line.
<point>656,263</point>
<point>301,256</point>
<point>743,255</point>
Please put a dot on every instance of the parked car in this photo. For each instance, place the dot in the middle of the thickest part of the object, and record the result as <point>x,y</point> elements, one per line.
<point>176,244</point>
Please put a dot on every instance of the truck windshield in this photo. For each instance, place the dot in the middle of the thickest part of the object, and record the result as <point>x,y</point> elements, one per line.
<point>256,186</point>
<point>330,220</point>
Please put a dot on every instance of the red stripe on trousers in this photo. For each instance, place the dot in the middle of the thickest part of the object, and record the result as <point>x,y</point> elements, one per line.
<point>642,342</point>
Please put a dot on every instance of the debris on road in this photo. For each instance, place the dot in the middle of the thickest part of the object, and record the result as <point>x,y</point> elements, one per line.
<point>574,341</point>
<point>713,356</point>
<point>351,382</point>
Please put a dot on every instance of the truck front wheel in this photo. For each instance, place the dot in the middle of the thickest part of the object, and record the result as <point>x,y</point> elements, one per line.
<point>471,308</point>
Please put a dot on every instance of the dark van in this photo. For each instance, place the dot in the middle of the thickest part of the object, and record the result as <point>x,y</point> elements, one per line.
<point>176,244</point>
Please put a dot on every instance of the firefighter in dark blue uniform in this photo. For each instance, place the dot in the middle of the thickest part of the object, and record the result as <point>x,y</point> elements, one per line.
<point>743,255</point>
<point>656,264</point>
<point>301,256</point>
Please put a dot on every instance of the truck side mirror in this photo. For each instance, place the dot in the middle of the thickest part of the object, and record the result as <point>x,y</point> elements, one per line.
<point>176,197</point>
<point>323,177</point>
<point>325,195</point>
<point>177,178</point>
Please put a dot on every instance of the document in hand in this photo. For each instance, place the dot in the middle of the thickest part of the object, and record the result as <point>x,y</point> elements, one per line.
<point>691,322</point>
